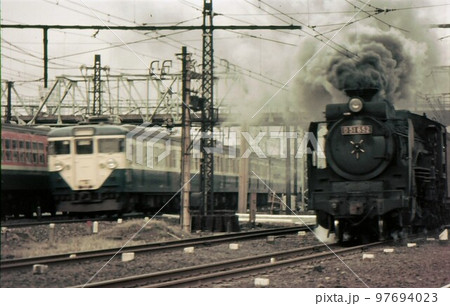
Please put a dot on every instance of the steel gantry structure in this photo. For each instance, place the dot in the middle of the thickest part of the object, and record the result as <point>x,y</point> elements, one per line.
<point>208,117</point>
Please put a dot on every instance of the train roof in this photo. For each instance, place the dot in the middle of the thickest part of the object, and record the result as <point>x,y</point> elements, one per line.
<point>88,130</point>
<point>24,129</point>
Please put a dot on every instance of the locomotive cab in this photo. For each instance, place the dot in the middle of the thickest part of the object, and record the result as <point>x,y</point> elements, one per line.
<point>86,167</point>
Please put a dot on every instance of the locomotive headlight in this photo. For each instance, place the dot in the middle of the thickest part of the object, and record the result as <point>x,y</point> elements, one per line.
<point>355,105</point>
<point>59,166</point>
<point>111,163</point>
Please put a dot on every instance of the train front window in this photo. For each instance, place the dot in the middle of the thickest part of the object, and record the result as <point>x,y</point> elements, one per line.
<point>59,147</point>
<point>84,146</point>
<point>111,145</point>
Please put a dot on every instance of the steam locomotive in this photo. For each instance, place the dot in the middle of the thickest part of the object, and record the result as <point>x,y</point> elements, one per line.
<point>376,172</point>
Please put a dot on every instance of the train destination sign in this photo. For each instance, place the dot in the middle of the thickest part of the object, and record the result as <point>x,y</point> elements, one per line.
<point>356,129</point>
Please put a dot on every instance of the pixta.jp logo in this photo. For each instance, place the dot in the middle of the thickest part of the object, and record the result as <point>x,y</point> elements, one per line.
<point>149,145</point>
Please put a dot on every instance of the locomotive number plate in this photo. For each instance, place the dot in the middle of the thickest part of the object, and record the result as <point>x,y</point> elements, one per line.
<point>356,129</point>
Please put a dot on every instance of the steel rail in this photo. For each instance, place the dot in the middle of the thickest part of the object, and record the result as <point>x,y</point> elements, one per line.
<point>220,270</point>
<point>196,280</point>
<point>157,246</point>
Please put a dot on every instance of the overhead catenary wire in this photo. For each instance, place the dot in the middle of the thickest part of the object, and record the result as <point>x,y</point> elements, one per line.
<point>337,47</point>
<point>378,11</point>
<point>123,19</point>
<point>250,73</point>
<point>119,45</point>
<point>29,53</point>
<point>199,9</point>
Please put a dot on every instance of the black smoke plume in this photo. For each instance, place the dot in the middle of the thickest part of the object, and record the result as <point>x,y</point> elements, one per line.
<point>381,62</point>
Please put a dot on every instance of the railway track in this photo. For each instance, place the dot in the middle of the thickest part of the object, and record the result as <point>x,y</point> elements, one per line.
<point>197,275</point>
<point>46,220</point>
<point>158,246</point>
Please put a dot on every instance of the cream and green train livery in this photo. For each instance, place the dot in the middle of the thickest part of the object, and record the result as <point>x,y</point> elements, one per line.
<point>87,165</point>
<point>105,168</point>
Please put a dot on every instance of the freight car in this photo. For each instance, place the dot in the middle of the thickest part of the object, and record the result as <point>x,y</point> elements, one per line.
<point>115,169</point>
<point>377,172</point>
<point>24,178</point>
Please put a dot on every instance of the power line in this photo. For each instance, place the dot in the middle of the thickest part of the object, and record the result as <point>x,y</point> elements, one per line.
<point>133,22</point>
<point>331,44</point>
<point>120,45</point>
<point>248,71</point>
<point>378,11</point>
<point>141,28</point>
<point>263,38</point>
<point>221,62</point>
<point>108,15</point>
<point>149,28</point>
<point>413,7</point>
<point>28,52</point>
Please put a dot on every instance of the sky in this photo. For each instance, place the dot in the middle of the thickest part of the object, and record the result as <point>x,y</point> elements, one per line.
<point>283,68</point>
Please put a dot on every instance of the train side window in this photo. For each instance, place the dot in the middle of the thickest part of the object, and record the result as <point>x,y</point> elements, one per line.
<point>84,146</point>
<point>3,149</point>
<point>22,157</point>
<point>173,161</point>
<point>59,147</point>
<point>29,158</point>
<point>216,164</point>
<point>15,156</point>
<point>110,145</point>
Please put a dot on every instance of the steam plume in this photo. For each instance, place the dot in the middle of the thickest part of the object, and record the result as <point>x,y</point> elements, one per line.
<point>381,63</point>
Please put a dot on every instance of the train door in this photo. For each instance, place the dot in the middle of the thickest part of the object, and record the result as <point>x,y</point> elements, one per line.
<point>85,168</point>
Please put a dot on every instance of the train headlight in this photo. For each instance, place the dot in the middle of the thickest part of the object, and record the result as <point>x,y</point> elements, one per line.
<point>111,163</point>
<point>59,166</point>
<point>355,105</point>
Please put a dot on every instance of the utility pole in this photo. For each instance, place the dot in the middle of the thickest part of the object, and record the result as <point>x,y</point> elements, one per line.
<point>288,170</point>
<point>208,118</point>
<point>45,36</point>
<point>97,84</point>
<point>9,103</point>
<point>295,168</point>
<point>185,216</point>
<point>243,174</point>
<point>97,103</point>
